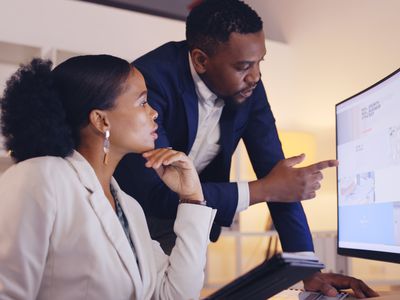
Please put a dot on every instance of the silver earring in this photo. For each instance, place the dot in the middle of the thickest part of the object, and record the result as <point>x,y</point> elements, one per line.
<point>106,146</point>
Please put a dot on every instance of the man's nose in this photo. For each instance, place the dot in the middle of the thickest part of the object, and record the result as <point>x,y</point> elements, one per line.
<point>253,76</point>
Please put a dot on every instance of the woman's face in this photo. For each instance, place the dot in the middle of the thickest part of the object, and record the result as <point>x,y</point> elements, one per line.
<point>132,120</point>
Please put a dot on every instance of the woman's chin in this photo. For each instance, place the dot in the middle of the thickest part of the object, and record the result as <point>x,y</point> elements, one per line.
<point>142,149</point>
<point>148,148</point>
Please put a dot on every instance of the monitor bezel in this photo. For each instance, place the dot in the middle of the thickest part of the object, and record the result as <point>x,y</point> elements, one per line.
<point>361,253</point>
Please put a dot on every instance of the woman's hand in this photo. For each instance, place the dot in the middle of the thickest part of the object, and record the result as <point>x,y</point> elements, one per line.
<point>177,171</point>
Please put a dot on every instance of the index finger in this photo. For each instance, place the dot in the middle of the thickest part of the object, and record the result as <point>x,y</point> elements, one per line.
<point>321,165</point>
<point>362,288</point>
<point>155,151</point>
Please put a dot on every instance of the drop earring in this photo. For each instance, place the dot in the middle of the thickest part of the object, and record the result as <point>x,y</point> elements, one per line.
<point>106,146</point>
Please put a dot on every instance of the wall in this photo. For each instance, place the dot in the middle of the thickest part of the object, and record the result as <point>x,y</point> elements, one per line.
<point>84,27</point>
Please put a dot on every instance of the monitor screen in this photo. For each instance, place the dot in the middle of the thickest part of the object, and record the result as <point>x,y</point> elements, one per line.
<point>368,175</point>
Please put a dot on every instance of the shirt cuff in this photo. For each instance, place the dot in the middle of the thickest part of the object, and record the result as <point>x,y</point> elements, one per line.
<point>243,196</point>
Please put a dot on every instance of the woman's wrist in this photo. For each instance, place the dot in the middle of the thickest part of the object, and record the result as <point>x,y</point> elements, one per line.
<point>197,195</point>
<point>192,201</point>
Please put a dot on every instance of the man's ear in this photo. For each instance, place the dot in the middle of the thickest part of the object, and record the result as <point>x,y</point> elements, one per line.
<point>99,120</point>
<point>199,60</point>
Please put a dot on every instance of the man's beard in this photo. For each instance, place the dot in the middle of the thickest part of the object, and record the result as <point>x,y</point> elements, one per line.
<point>232,102</point>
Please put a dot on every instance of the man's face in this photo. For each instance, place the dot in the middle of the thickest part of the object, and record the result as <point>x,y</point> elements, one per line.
<point>233,71</point>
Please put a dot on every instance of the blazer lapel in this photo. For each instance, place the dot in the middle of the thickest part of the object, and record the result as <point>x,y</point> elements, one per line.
<point>115,233</point>
<point>136,230</point>
<point>107,218</point>
<point>226,139</point>
<point>189,96</point>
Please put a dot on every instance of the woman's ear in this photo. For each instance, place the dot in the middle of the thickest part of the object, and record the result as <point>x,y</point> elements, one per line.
<point>199,60</point>
<point>99,120</point>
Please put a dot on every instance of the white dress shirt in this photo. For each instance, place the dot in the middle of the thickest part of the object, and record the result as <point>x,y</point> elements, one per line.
<point>206,144</point>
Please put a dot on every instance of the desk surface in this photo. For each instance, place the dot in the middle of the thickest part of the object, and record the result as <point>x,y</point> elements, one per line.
<point>299,295</point>
<point>388,295</point>
<point>385,292</point>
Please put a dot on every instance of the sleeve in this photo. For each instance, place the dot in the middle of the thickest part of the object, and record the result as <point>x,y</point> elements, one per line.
<point>265,150</point>
<point>181,275</point>
<point>244,196</point>
<point>26,219</point>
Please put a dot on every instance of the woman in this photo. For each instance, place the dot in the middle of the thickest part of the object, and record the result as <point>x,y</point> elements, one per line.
<point>67,231</point>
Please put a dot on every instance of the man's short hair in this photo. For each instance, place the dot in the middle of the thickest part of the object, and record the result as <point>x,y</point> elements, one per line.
<point>212,22</point>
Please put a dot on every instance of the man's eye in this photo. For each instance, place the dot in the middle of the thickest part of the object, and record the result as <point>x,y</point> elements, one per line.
<point>243,67</point>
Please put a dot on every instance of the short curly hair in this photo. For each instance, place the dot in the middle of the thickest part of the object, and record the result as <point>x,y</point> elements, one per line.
<point>212,21</point>
<point>43,111</point>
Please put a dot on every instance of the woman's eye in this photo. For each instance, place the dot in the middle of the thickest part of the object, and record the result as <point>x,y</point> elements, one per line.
<point>143,103</point>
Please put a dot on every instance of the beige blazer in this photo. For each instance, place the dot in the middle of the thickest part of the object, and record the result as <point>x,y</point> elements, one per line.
<point>61,239</point>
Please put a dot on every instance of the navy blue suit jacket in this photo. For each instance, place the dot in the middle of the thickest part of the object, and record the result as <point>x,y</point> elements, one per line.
<point>172,93</point>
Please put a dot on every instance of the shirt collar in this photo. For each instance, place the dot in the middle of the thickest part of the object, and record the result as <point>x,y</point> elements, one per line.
<point>203,92</point>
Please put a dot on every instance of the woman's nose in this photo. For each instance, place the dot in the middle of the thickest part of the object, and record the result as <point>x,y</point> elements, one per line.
<point>153,113</point>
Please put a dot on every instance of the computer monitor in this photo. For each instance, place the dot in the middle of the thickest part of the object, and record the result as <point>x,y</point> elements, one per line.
<point>368,175</point>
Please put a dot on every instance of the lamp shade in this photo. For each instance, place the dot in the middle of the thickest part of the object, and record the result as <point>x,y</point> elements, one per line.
<point>293,143</point>
<point>297,142</point>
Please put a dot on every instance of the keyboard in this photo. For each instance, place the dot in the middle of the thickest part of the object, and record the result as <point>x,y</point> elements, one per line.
<point>292,294</point>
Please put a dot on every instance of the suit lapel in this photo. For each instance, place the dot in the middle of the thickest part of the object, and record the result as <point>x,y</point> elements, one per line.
<point>226,139</point>
<point>189,96</point>
<point>107,218</point>
<point>192,115</point>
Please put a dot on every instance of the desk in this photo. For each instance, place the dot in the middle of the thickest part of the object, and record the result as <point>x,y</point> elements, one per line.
<point>386,293</point>
<point>298,295</point>
<point>389,296</point>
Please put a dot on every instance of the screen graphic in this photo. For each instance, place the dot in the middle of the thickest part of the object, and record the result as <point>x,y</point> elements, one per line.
<point>368,150</point>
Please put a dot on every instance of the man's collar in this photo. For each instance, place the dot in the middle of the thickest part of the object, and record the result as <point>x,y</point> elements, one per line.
<point>203,92</point>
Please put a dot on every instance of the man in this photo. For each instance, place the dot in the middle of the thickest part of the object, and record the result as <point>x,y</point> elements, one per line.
<point>208,94</point>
